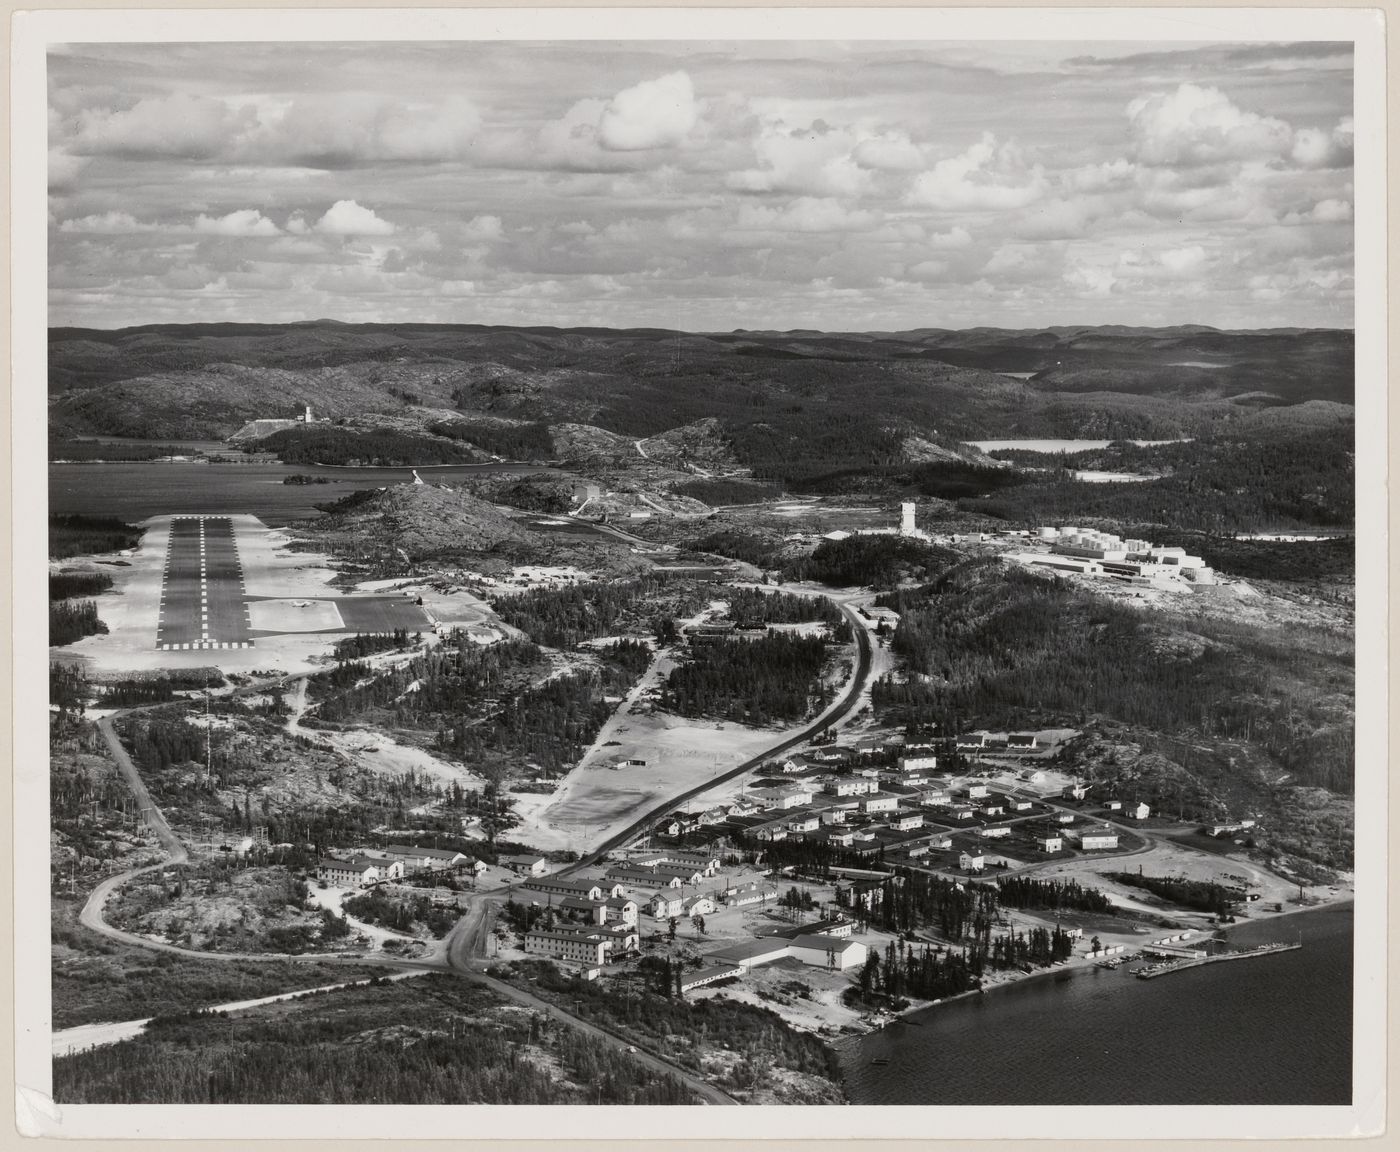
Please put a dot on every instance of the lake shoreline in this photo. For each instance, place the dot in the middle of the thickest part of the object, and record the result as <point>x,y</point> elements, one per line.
<point>1178,1029</point>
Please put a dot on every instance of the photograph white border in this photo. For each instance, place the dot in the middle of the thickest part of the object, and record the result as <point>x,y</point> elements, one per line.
<point>32,31</point>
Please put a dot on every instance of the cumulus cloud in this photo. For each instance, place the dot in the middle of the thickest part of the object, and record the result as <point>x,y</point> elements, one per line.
<point>891,151</point>
<point>1182,260</point>
<point>1314,148</point>
<point>651,114</point>
<point>805,214</point>
<point>244,222</point>
<point>346,218</point>
<point>484,228</point>
<point>106,224</point>
<point>1201,125</point>
<point>177,125</point>
<point>1089,279</point>
<point>351,129</point>
<point>987,175</point>
<point>814,159</point>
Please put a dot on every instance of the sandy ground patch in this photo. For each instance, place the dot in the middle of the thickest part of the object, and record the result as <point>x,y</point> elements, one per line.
<point>294,615</point>
<point>1168,859</point>
<point>332,898</point>
<point>378,752</point>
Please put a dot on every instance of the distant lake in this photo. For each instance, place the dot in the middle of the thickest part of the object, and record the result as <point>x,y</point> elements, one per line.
<point>136,491</point>
<point>1058,445</point>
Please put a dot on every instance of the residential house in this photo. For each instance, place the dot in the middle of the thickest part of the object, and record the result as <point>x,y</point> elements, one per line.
<point>588,889</point>
<point>620,909</point>
<point>1098,840</point>
<point>907,821</point>
<point>697,906</point>
<point>355,872</point>
<point>971,861</point>
<point>779,798</point>
<point>1020,805</point>
<point>558,945</point>
<point>1075,791</point>
<point>850,786</point>
<point>1139,811</point>
<point>747,897</point>
<point>1050,843</point>
<point>972,742</point>
<point>707,862</point>
<point>994,831</point>
<point>1113,805</point>
<point>1021,741</point>
<point>879,802</point>
<point>390,866</point>
<point>806,822</point>
<point>417,859</point>
<point>909,763</point>
<point>662,905</point>
<point>976,791</point>
<point>525,865</point>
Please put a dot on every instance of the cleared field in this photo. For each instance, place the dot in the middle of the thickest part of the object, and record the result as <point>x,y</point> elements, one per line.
<point>294,616</point>
<point>381,614</point>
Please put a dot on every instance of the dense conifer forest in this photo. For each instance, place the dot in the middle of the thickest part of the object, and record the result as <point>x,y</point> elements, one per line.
<point>748,607</point>
<point>1222,485</point>
<point>71,620</point>
<point>434,1040</point>
<point>1003,646</point>
<point>65,585</point>
<point>373,447</point>
<point>77,535</point>
<point>776,678</point>
<point>565,617</point>
<point>874,561</point>
<point>510,441</point>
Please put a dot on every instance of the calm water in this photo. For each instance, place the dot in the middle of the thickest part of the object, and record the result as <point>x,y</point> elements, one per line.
<point>1272,1030</point>
<point>1058,445</point>
<point>138,490</point>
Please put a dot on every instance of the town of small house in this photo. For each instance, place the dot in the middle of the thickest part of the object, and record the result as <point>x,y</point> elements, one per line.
<point>884,798</point>
<point>887,797</point>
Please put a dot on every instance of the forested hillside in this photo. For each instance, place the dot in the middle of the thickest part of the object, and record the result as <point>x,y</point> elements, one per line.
<point>1266,710</point>
<point>801,409</point>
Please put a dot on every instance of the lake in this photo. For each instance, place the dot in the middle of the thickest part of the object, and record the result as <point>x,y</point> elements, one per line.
<point>1271,1030</point>
<point>136,491</point>
<point>1059,445</point>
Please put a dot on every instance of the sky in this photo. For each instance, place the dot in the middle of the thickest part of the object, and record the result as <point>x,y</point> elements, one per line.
<point>704,186</point>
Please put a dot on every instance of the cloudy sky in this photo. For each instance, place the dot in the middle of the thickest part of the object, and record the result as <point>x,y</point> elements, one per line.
<point>703,186</point>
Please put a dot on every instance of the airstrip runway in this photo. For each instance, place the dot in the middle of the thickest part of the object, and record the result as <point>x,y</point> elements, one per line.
<point>202,599</point>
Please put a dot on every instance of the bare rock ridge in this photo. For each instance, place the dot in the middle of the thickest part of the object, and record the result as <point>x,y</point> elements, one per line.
<point>423,520</point>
